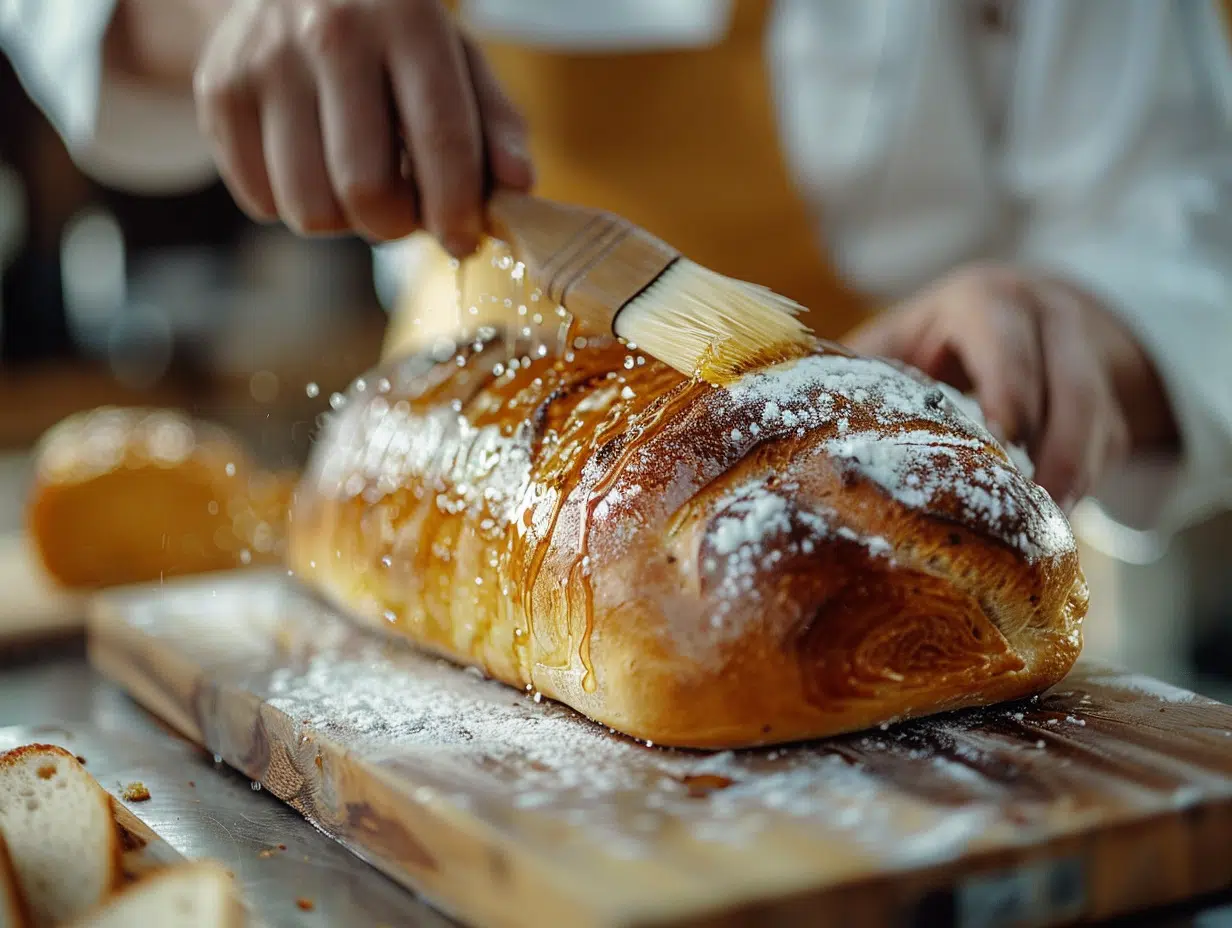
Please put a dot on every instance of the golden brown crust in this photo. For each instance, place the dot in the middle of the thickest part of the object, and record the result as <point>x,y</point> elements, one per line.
<point>819,547</point>
<point>111,856</point>
<point>130,495</point>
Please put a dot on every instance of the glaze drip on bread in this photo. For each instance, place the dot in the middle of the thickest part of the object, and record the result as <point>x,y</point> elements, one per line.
<point>818,547</point>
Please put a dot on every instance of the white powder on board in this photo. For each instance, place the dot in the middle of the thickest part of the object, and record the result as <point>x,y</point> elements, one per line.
<point>467,737</point>
<point>451,737</point>
<point>1147,686</point>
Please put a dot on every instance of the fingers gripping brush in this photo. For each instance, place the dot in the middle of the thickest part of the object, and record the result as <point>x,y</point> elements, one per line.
<point>612,276</point>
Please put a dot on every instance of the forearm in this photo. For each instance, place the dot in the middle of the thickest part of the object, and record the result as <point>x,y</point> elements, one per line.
<point>159,41</point>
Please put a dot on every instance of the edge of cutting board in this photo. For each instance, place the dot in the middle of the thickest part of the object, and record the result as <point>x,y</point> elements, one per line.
<point>480,873</point>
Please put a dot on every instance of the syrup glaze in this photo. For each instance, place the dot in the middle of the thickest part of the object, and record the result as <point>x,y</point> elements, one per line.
<point>445,455</point>
<point>817,545</point>
<point>458,485</point>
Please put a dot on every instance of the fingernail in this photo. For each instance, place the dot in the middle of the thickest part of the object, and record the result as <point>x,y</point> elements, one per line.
<point>516,150</point>
<point>457,249</point>
<point>462,245</point>
<point>514,147</point>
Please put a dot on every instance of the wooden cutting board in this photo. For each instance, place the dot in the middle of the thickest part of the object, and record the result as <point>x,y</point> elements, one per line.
<point>1109,794</point>
<point>32,609</point>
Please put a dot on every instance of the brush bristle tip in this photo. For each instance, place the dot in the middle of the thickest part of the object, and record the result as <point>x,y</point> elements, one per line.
<point>715,327</point>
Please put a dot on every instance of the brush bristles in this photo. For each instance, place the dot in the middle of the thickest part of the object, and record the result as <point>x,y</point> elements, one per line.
<point>714,327</point>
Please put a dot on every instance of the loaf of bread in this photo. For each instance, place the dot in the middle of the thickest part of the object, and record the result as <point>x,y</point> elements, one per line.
<point>818,547</point>
<point>137,495</point>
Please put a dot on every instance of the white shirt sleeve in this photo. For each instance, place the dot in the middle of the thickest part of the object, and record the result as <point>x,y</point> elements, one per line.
<point>128,137</point>
<point>1133,200</point>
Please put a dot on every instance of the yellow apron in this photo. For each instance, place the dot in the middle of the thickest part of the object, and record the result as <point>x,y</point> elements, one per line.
<point>684,143</point>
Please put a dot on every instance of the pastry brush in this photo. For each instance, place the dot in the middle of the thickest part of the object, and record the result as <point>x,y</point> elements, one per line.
<point>613,276</point>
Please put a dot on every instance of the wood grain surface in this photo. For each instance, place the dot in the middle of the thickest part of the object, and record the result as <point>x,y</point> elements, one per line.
<point>1109,794</point>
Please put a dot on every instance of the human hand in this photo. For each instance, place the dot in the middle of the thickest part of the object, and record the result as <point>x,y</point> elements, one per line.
<point>1052,368</point>
<point>306,103</point>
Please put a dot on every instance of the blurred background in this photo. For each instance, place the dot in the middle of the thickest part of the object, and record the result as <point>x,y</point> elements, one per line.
<point>180,301</point>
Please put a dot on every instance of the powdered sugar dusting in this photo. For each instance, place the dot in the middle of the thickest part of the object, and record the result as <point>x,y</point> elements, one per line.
<point>899,462</point>
<point>917,467</point>
<point>748,518</point>
<point>750,534</point>
<point>911,437</point>
<point>378,448</point>
<point>804,391</point>
<point>971,408</point>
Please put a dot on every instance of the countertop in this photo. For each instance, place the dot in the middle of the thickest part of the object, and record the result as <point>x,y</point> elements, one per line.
<point>205,809</point>
<point>201,808</point>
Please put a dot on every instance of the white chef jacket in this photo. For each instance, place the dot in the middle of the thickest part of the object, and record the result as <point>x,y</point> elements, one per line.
<point>1093,142</point>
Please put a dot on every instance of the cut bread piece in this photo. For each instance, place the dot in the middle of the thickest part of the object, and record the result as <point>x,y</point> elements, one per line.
<point>61,833</point>
<point>12,906</point>
<point>192,895</point>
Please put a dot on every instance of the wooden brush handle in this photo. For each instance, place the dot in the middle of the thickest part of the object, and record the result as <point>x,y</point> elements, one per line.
<point>591,262</point>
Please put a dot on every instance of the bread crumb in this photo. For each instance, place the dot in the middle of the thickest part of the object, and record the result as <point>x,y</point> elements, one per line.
<point>46,771</point>
<point>701,785</point>
<point>81,760</point>
<point>135,792</point>
<point>306,905</point>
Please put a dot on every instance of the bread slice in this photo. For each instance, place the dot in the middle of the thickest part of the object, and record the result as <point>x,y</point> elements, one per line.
<point>12,906</point>
<point>61,833</point>
<point>192,895</point>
